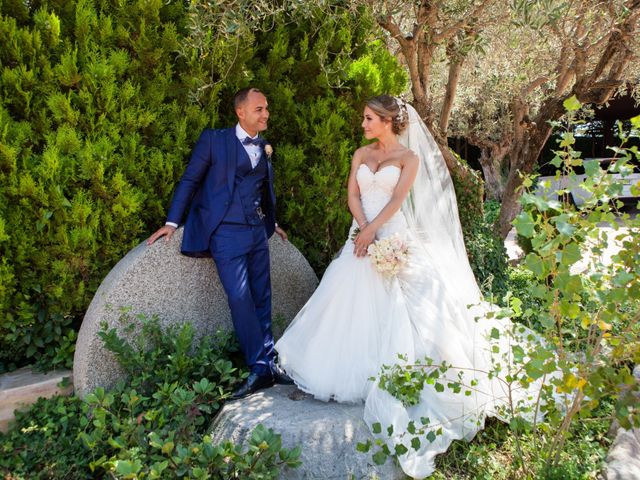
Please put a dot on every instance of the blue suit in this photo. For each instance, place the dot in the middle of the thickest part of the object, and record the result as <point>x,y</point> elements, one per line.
<point>231,216</point>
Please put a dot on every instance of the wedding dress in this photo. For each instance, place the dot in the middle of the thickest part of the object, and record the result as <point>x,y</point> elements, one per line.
<point>358,320</point>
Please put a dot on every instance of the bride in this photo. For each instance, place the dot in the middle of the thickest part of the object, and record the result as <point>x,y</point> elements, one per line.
<point>359,320</point>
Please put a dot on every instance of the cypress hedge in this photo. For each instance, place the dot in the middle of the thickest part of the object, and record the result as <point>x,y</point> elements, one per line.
<point>100,104</point>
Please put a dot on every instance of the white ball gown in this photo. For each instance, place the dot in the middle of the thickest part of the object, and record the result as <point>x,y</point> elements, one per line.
<point>358,320</point>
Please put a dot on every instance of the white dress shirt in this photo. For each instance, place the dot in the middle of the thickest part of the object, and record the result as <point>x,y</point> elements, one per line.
<point>254,151</point>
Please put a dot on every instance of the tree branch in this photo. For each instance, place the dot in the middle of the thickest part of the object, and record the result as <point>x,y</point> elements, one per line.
<point>455,28</point>
<point>386,22</point>
<point>533,85</point>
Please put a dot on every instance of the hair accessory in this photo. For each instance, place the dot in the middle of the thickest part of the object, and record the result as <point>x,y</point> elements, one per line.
<point>402,110</point>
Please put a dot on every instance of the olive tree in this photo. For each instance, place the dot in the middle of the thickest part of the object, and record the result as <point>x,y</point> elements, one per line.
<point>498,71</point>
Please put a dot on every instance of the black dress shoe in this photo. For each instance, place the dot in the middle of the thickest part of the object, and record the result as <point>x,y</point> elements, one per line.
<point>252,384</point>
<point>280,376</point>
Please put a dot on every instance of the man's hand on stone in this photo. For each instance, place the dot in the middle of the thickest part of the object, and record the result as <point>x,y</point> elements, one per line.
<point>166,231</point>
<point>281,233</point>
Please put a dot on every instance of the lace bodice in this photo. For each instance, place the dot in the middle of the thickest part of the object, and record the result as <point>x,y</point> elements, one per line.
<point>375,192</point>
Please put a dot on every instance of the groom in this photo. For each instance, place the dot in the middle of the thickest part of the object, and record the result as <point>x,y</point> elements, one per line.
<point>227,188</point>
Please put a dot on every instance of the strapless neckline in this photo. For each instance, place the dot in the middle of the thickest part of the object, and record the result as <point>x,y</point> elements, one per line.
<point>379,170</point>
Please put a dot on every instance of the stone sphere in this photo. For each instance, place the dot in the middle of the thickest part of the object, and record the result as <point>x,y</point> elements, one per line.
<point>159,280</point>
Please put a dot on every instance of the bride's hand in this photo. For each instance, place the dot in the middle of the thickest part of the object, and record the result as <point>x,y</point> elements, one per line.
<point>365,238</point>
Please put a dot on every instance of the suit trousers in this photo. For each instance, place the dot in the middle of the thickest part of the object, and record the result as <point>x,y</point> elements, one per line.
<point>241,254</point>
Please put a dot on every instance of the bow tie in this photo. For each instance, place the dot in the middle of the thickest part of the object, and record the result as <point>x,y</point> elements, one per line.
<point>252,141</point>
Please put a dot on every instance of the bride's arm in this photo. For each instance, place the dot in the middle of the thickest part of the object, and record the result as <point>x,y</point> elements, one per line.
<point>353,192</point>
<point>407,177</point>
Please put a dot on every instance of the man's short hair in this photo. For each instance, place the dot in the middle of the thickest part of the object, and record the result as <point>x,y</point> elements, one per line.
<point>241,96</point>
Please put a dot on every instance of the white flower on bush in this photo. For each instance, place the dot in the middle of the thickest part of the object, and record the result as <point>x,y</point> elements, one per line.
<point>389,255</point>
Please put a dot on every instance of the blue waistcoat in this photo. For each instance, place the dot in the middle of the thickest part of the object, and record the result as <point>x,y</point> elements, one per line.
<point>249,182</point>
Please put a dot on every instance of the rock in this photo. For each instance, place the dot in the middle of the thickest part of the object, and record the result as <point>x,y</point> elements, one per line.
<point>328,433</point>
<point>623,459</point>
<point>157,279</point>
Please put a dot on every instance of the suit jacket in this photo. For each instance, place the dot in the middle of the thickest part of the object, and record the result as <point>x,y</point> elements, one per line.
<point>206,189</point>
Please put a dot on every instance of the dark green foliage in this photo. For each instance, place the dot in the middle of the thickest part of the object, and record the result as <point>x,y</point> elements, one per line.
<point>316,126</point>
<point>487,254</point>
<point>94,129</point>
<point>157,356</point>
<point>43,443</point>
<point>100,104</point>
<point>521,285</point>
<point>154,425</point>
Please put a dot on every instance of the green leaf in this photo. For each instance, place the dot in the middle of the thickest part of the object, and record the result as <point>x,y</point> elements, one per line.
<point>518,353</point>
<point>415,443</point>
<point>556,161</point>
<point>411,427</point>
<point>534,368</point>
<point>376,428</point>
<point>563,226</point>
<point>571,254</point>
<point>401,449</point>
<point>568,283</point>
<point>167,448</point>
<point>128,469</point>
<point>547,320</point>
<point>525,226</point>
<point>621,279</point>
<point>379,457</point>
<point>591,168</point>
<point>567,140</point>
<point>535,264</point>
<point>540,204</point>
<point>572,104</point>
<point>569,309</point>
<point>363,447</point>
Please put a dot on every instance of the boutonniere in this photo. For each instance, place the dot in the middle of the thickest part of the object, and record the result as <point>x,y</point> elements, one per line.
<point>268,150</point>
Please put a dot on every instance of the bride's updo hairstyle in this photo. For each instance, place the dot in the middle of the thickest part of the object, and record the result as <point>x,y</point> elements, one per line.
<point>387,108</point>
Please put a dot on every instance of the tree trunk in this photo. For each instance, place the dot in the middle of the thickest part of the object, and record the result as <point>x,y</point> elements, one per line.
<point>455,67</point>
<point>525,156</point>
<point>492,171</point>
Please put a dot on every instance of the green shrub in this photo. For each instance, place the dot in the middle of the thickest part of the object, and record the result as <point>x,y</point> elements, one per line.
<point>487,253</point>
<point>95,125</point>
<point>316,126</point>
<point>44,443</point>
<point>100,105</point>
<point>155,424</point>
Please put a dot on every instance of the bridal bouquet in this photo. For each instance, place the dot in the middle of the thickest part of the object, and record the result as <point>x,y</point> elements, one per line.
<point>389,255</point>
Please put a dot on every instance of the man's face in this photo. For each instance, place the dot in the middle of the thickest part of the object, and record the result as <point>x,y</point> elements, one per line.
<point>253,113</point>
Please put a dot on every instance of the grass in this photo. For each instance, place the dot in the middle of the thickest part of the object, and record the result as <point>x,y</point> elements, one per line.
<point>492,454</point>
